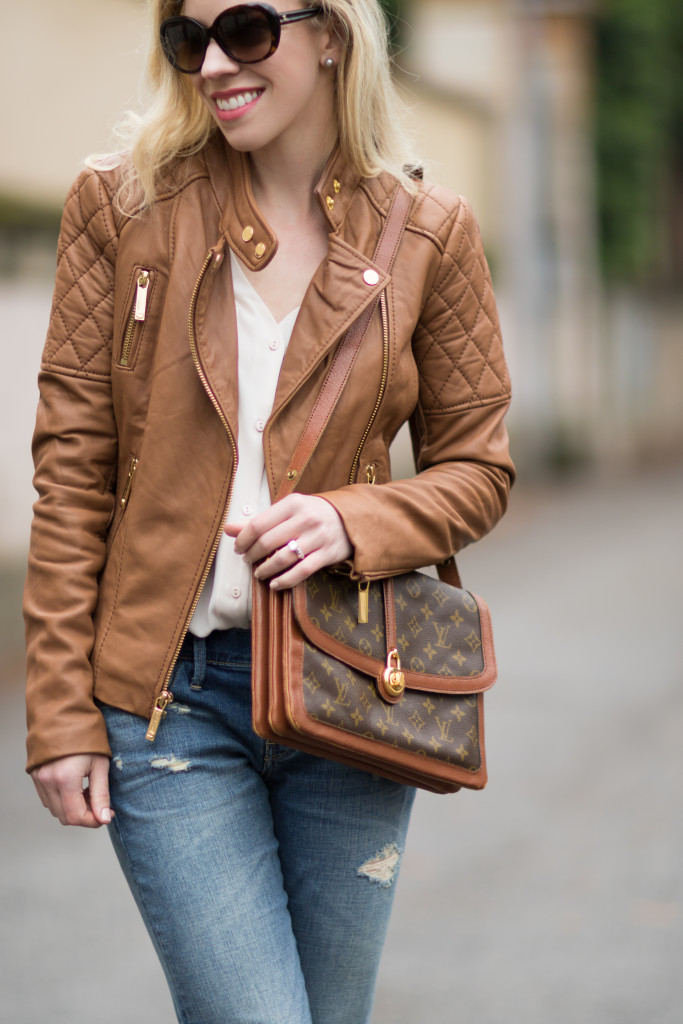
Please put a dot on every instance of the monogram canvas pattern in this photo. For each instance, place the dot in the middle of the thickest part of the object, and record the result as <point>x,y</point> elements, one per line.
<point>438,636</point>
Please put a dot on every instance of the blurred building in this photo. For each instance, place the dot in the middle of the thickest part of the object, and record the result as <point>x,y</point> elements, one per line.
<point>503,92</point>
<point>73,69</point>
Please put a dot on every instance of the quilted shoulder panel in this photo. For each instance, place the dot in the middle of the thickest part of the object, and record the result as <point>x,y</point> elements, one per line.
<point>80,334</point>
<point>457,343</point>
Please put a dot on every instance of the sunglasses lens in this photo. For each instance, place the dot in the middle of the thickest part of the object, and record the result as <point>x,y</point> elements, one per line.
<point>246,33</point>
<point>184,44</point>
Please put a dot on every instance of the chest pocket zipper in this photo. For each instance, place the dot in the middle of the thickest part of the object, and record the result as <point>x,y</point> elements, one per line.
<point>129,482</point>
<point>137,316</point>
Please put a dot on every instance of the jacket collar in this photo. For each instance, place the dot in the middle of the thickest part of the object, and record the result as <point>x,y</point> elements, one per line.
<point>243,225</point>
<point>337,295</point>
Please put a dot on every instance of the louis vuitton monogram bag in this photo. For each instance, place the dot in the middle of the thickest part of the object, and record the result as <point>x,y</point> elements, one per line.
<point>388,676</point>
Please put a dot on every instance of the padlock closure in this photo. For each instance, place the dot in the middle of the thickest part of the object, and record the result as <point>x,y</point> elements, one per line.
<point>392,683</point>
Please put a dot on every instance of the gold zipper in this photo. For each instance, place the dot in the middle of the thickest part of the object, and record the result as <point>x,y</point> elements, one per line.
<point>138,314</point>
<point>382,387</point>
<point>364,584</point>
<point>160,704</point>
<point>129,482</point>
<point>165,697</point>
<point>363,602</point>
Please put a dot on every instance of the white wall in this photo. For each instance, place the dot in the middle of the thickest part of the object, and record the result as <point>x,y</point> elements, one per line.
<point>68,69</point>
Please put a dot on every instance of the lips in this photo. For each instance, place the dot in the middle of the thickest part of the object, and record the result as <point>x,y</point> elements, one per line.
<point>229,105</point>
<point>238,99</point>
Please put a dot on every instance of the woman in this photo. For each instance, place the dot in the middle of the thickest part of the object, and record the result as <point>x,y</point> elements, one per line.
<point>247,210</point>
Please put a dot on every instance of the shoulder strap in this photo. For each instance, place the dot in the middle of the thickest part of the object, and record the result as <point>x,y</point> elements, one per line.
<point>348,348</point>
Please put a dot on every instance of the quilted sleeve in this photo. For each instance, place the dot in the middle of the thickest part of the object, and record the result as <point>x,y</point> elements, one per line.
<point>74,450</point>
<point>460,441</point>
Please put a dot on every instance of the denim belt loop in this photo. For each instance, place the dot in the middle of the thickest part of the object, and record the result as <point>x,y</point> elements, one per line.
<point>199,650</point>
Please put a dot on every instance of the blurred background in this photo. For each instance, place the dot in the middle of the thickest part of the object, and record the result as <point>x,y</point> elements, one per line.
<point>557,893</point>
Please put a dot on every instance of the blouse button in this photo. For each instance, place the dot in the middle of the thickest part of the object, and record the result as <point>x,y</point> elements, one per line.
<point>236,592</point>
<point>274,345</point>
<point>247,510</point>
<point>260,426</point>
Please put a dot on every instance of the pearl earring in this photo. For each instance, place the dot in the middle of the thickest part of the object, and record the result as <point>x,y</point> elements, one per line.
<point>328,62</point>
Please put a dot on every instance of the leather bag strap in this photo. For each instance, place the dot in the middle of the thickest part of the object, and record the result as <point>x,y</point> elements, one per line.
<point>348,348</point>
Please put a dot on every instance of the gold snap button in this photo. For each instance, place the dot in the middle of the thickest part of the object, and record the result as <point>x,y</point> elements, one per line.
<point>330,203</point>
<point>337,186</point>
<point>260,251</point>
<point>248,233</point>
<point>292,474</point>
<point>371,277</point>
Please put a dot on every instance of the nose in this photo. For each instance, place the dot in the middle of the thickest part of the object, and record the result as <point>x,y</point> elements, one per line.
<point>217,63</point>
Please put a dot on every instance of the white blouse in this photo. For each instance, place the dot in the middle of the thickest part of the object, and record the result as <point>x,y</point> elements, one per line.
<point>225,602</point>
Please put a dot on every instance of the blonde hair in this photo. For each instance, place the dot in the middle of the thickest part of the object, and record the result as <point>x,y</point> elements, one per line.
<point>176,123</point>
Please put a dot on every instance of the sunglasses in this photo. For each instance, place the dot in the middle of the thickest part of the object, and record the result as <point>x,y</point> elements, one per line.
<point>248,33</point>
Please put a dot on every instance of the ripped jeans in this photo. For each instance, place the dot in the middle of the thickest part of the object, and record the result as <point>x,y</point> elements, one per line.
<point>264,875</point>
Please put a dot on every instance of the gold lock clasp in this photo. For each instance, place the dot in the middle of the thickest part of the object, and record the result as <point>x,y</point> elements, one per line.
<point>393,681</point>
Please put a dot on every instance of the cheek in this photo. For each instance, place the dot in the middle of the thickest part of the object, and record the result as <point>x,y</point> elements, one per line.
<point>197,81</point>
<point>197,84</point>
<point>300,89</point>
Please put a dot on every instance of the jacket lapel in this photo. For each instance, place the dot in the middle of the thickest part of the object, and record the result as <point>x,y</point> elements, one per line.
<point>335,298</point>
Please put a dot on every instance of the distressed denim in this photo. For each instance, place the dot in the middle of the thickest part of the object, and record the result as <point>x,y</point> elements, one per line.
<point>265,876</point>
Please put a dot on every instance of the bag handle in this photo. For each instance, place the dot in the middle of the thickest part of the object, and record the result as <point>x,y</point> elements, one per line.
<point>348,348</point>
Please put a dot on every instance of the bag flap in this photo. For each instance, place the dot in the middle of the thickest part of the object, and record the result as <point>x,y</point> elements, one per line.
<point>443,634</point>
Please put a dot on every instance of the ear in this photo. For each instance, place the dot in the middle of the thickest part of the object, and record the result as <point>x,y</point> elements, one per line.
<point>331,44</point>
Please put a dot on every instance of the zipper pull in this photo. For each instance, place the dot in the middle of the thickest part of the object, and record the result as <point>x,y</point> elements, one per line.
<point>163,700</point>
<point>129,482</point>
<point>363,601</point>
<point>141,295</point>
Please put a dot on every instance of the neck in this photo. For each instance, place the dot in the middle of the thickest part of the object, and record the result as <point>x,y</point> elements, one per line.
<point>283,182</point>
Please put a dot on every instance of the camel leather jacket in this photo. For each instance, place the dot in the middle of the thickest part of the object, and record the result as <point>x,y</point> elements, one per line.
<point>136,438</point>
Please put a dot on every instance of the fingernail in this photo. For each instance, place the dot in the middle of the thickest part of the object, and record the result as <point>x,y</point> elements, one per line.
<point>106,816</point>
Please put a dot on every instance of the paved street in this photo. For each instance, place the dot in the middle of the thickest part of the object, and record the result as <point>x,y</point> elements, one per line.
<point>553,896</point>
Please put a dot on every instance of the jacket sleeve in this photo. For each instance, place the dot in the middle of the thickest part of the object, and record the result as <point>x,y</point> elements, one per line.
<point>74,451</point>
<point>458,432</point>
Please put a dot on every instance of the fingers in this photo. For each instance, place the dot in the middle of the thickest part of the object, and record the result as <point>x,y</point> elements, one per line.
<point>272,529</point>
<point>97,794</point>
<point>232,529</point>
<point>311,522</point>
<point>298,572</point>
<point>60,787</point>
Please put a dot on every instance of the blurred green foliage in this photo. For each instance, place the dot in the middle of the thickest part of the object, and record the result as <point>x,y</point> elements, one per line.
<point>393,10</point>
<point>27,215</point>
<point>639,138</point>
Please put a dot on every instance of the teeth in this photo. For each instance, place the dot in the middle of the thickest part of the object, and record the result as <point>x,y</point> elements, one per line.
<point>235,102</point>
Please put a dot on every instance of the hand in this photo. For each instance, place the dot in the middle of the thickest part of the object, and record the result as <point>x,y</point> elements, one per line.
<point>312,522</point>
<point>60,787</point>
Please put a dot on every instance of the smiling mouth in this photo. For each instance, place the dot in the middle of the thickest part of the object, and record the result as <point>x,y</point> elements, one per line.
<point>238,100</point>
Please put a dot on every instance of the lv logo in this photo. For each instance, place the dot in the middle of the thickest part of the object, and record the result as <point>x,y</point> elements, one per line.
<point>390,712</point>
<point>335,606</point>
<point>445,728</point>
<point>442,633</point>
<point>342,698</point>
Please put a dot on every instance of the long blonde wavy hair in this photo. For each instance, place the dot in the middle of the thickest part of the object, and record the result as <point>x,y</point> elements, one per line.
<point>176,123</point>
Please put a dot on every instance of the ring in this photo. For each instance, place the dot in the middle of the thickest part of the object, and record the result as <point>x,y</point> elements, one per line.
<point>296,550</point>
